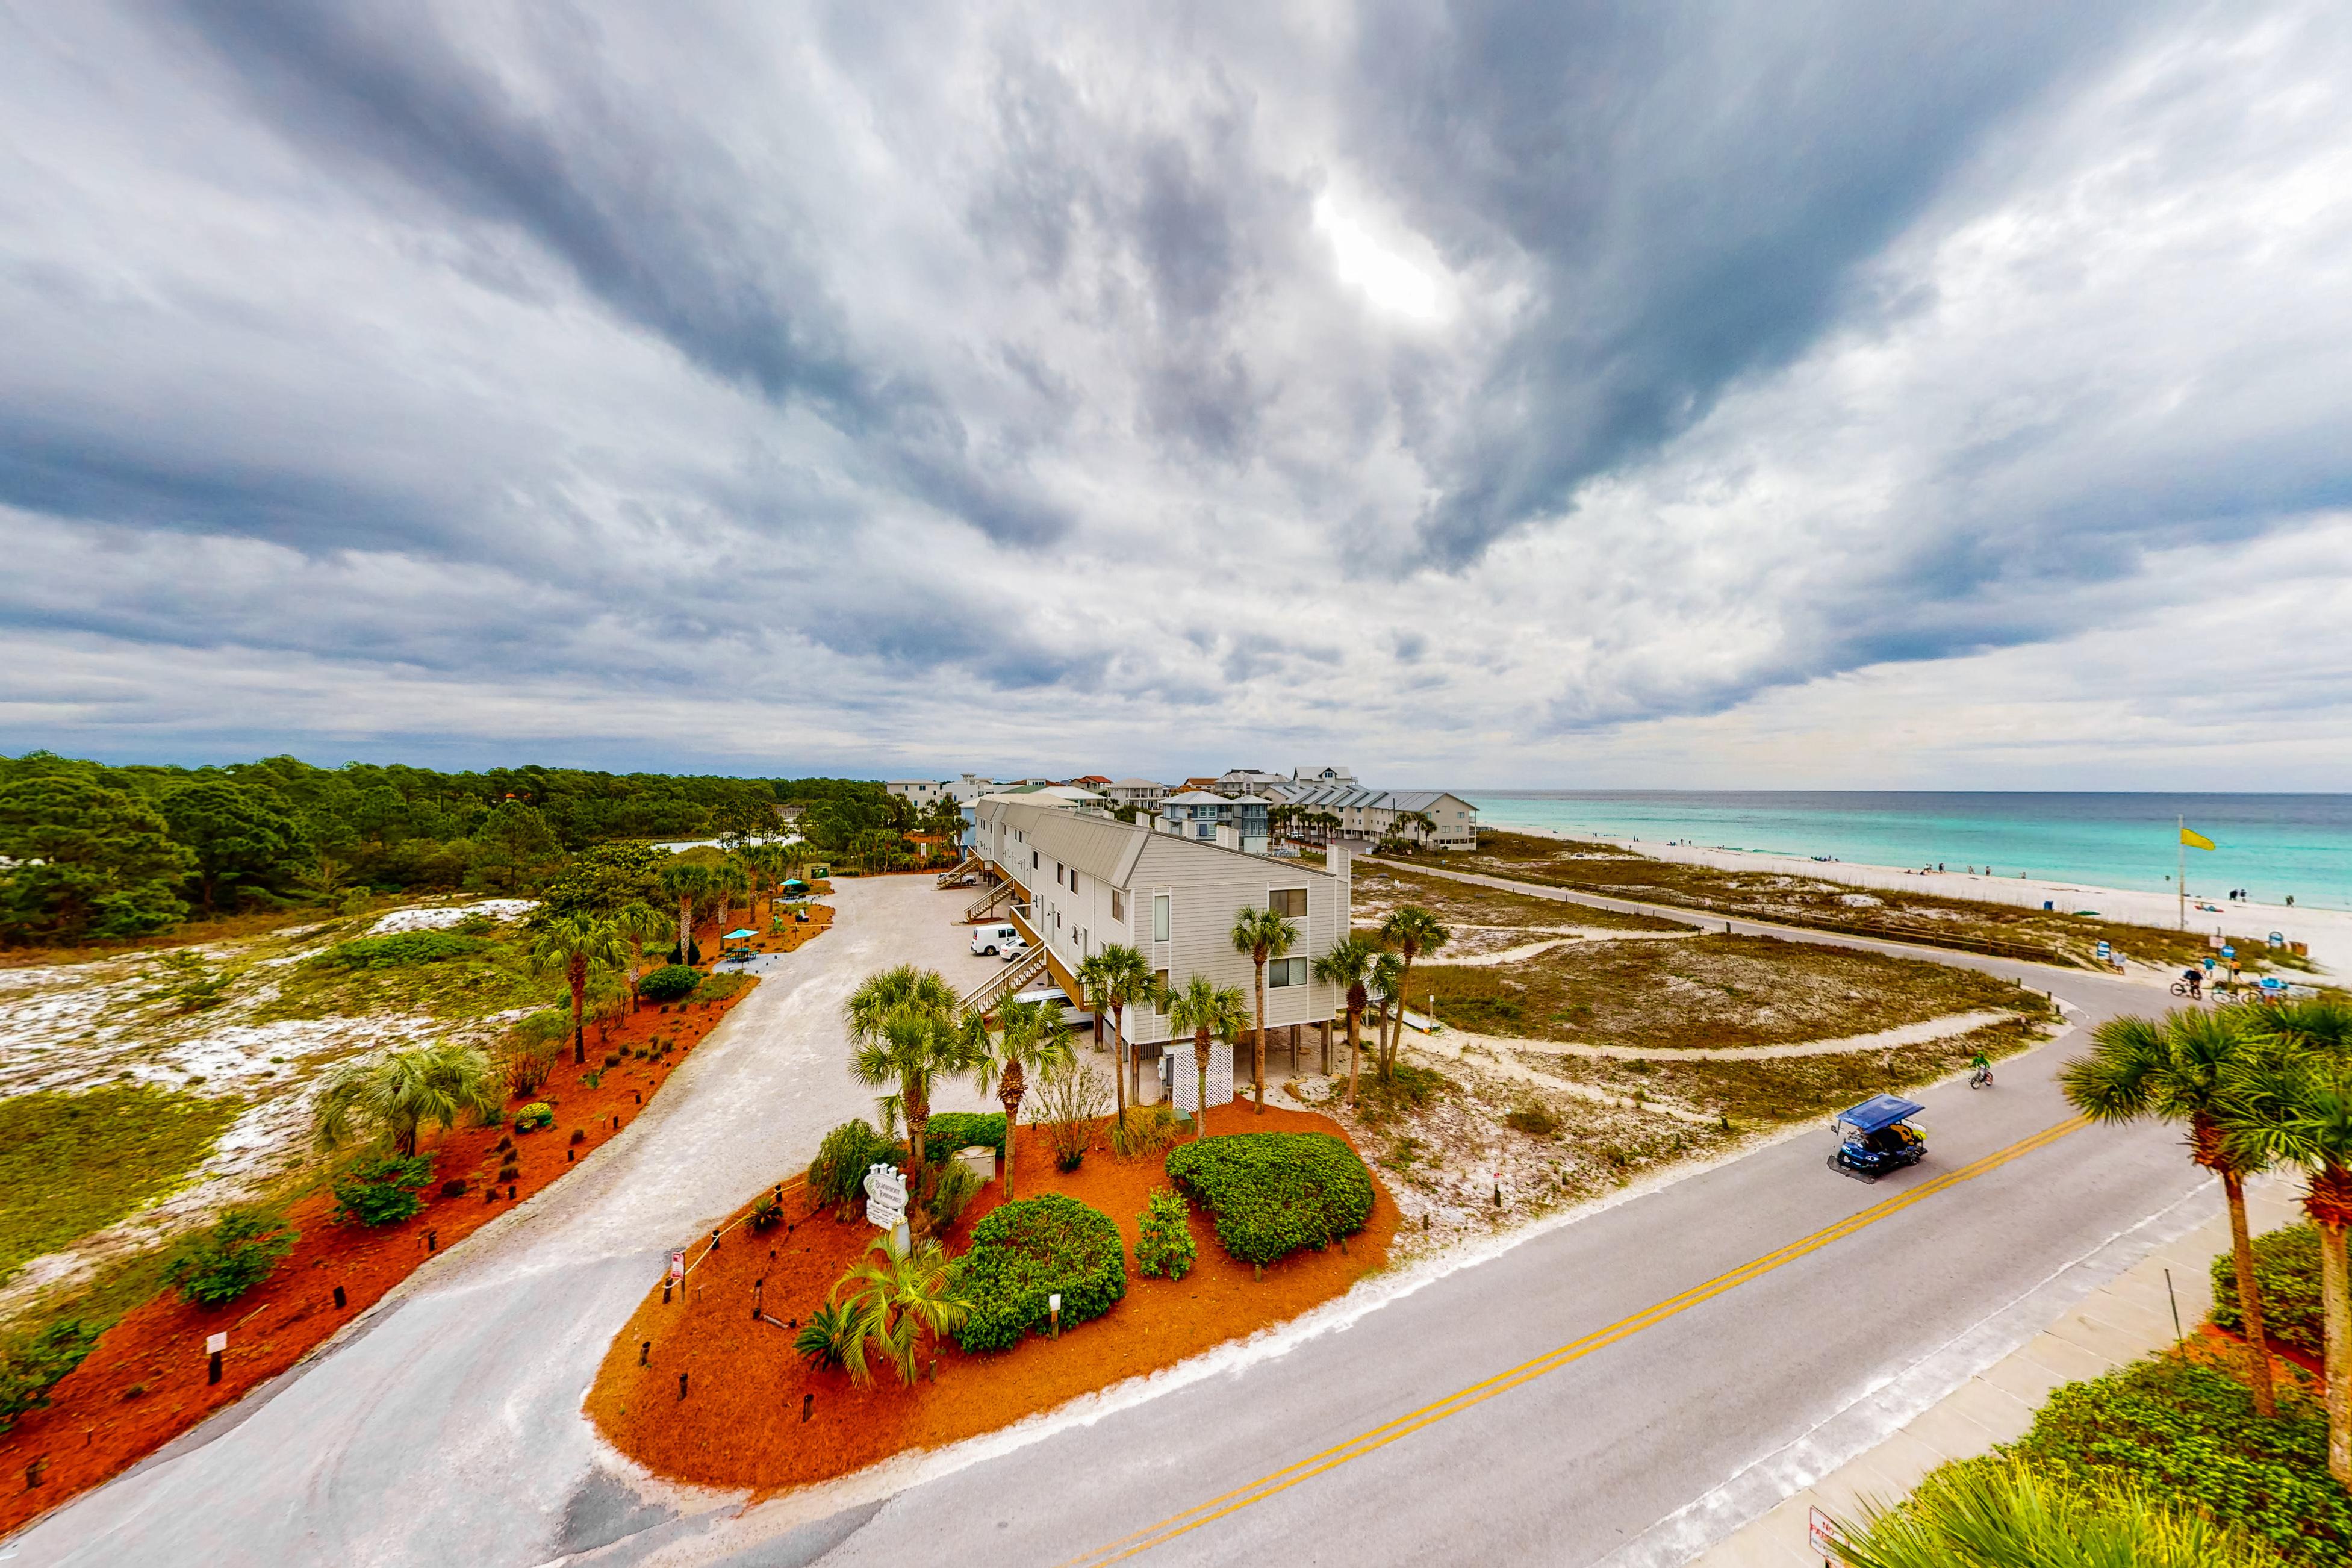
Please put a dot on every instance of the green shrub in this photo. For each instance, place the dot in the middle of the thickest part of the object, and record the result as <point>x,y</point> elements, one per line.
<point>535,1115</point>
<point>951,1194</point>
<point>31,1367</point>
<point>1144,1131</point>
<point>837,1174</point>
<point>766,1213</point>
<point>949,1131</point>
<point>1163,1242</point>
<point>2286,1273</point>
<point>383,1191</point>
<point>825,1338</point>
<point>398,950</point>
<point>1274,1193</point>
<point>2189,1431</point>
<point>693,955</point>
<point>670,982</point>
<point>1028,1250</point>
<point>224,1262</point>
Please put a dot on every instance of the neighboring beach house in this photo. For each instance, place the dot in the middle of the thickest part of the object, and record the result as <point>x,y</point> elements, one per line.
<point>921,793</point>
<point>1197,813</point>
<point>1134,791</point>
<point>1369,814</point>
<point>1085,882</point>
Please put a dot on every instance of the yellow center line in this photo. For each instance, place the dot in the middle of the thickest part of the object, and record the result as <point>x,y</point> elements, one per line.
<point>1380,1437</point>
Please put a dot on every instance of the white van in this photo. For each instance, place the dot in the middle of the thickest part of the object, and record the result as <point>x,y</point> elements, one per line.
<point>990,941</point>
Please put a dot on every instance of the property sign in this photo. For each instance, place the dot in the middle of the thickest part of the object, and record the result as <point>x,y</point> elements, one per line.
<point>885,1197</point>
<point>1822,1531</point>
<point>216,1344</point>
<point>678,1265</point>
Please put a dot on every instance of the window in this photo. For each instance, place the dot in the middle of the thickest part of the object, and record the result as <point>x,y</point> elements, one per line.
<point>1288,901</point>
<point>1117,907</point>
<point>1160,981</point>
<point>1160,917</point>
<point>1033,859</point>
<point>1285,972</point>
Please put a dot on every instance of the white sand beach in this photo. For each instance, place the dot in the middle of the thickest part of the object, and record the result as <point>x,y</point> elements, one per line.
<point>2328,932</point>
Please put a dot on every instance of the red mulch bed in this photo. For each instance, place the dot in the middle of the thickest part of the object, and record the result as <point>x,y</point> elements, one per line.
<point>741,1421</point>
<point>144,1381</point>
<point>2287,1363</point>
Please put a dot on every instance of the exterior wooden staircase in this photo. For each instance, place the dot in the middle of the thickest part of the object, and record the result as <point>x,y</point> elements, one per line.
<point>1017,976</point>
<point>983,906</point>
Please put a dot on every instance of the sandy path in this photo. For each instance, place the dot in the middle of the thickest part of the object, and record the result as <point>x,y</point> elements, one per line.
<point>1919,1034</point>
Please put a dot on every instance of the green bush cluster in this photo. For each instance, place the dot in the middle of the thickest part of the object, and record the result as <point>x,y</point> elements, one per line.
<point>1028,1250</point>
<point>385,1190</point>
<point>535,1115</point>
<point>670,982</point>
<point>1163,1242</point>
<point>949,1131</point>
<point>951,1194</point>
<point>1274,1193</point>
<point>399,949</point>
<point>31,1367</point>
<point>2190,1432</point>
<point>224,1262</point>
<point>2286,1273</point>
<point>837,1174</point>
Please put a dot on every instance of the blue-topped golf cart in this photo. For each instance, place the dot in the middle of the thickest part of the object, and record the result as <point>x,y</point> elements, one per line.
<point>1876,1137</point>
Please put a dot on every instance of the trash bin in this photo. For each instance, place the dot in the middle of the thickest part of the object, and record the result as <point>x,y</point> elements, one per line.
<point>2049,904</point>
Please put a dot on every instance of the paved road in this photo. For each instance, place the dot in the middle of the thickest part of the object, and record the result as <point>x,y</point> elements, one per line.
<point>450,1431</point>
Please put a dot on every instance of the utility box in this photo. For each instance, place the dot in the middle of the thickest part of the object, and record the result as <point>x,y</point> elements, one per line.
<point>980,1160</point>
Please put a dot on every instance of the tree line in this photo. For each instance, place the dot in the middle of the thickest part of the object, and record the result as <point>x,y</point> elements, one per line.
<point>93,852</point>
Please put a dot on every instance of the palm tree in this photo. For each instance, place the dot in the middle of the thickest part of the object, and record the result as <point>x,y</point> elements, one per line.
<point>2179,1071</point>
<point>730,880</point>
<point>1114,978</point>
<point>2293,1105</point>
<point>1385,991</point>
<point>893,1297</point>
<point>570,945</point>
<point>1206,1008</point>
<point>1411,931</point>
<point>885,991</point>
<point>1349,964</point>
<point>685,880</point>
<point>1262,934</point>
<point>903,1027</point>
<point>766,864</point>
<point>638,924</point>
<point>395,1096</point>
<point>1034,1039</point>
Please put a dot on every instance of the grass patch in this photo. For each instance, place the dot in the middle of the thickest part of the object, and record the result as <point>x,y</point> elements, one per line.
<point>1410,1090</point>
<point>1792,1088</point>
<point>1380,887</point>
<point>1712,992</point>
<point>443,974</point>
<point>2006,929</point>
<point>73,1164</point>
<point>717,987</point>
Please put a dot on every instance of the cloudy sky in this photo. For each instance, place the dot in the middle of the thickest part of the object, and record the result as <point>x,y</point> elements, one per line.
<point>1808,394</point>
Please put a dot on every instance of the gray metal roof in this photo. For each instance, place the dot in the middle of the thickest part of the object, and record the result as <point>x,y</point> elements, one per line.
<point>1102,847</point>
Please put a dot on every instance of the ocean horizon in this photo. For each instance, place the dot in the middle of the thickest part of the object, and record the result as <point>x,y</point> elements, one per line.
<point>2274,845</point>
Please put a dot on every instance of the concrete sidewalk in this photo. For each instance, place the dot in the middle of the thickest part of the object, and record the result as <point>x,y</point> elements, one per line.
<point>2121,1321</point>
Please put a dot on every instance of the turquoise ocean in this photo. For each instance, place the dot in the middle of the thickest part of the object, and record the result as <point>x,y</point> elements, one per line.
<point>2270,844</point>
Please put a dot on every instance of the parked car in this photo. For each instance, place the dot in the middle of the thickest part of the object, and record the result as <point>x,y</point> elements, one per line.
<point>991,940</point>
<point>1015,950</point>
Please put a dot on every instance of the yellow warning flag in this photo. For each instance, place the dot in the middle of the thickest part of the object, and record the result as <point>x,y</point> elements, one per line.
<point>2194,840</point>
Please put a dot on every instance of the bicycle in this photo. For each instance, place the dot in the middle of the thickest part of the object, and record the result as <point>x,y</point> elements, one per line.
<point>1980,1078</point>
<point>2182,988</point>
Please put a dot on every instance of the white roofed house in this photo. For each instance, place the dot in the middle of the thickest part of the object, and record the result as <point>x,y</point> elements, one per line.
<point>1134,791</point>
<point>1088,881</point>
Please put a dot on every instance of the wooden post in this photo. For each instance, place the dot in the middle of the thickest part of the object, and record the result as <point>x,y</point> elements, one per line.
<point>1325,1027</point>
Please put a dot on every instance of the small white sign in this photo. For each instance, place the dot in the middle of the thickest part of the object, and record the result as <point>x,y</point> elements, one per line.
<point>885,1196</point>
<point>678,1265</point>
<point>216,1344</point>
<point>1822,1531</point>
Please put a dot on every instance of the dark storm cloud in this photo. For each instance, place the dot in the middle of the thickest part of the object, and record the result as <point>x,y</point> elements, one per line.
<point>650,211</point>
<point>1696,188</point>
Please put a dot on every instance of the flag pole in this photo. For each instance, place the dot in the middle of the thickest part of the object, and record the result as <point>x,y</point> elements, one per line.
<point>2181,877</point>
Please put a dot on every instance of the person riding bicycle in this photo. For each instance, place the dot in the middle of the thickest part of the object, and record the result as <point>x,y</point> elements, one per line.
<point>2194,978</point>
<point>1980,1068</point>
